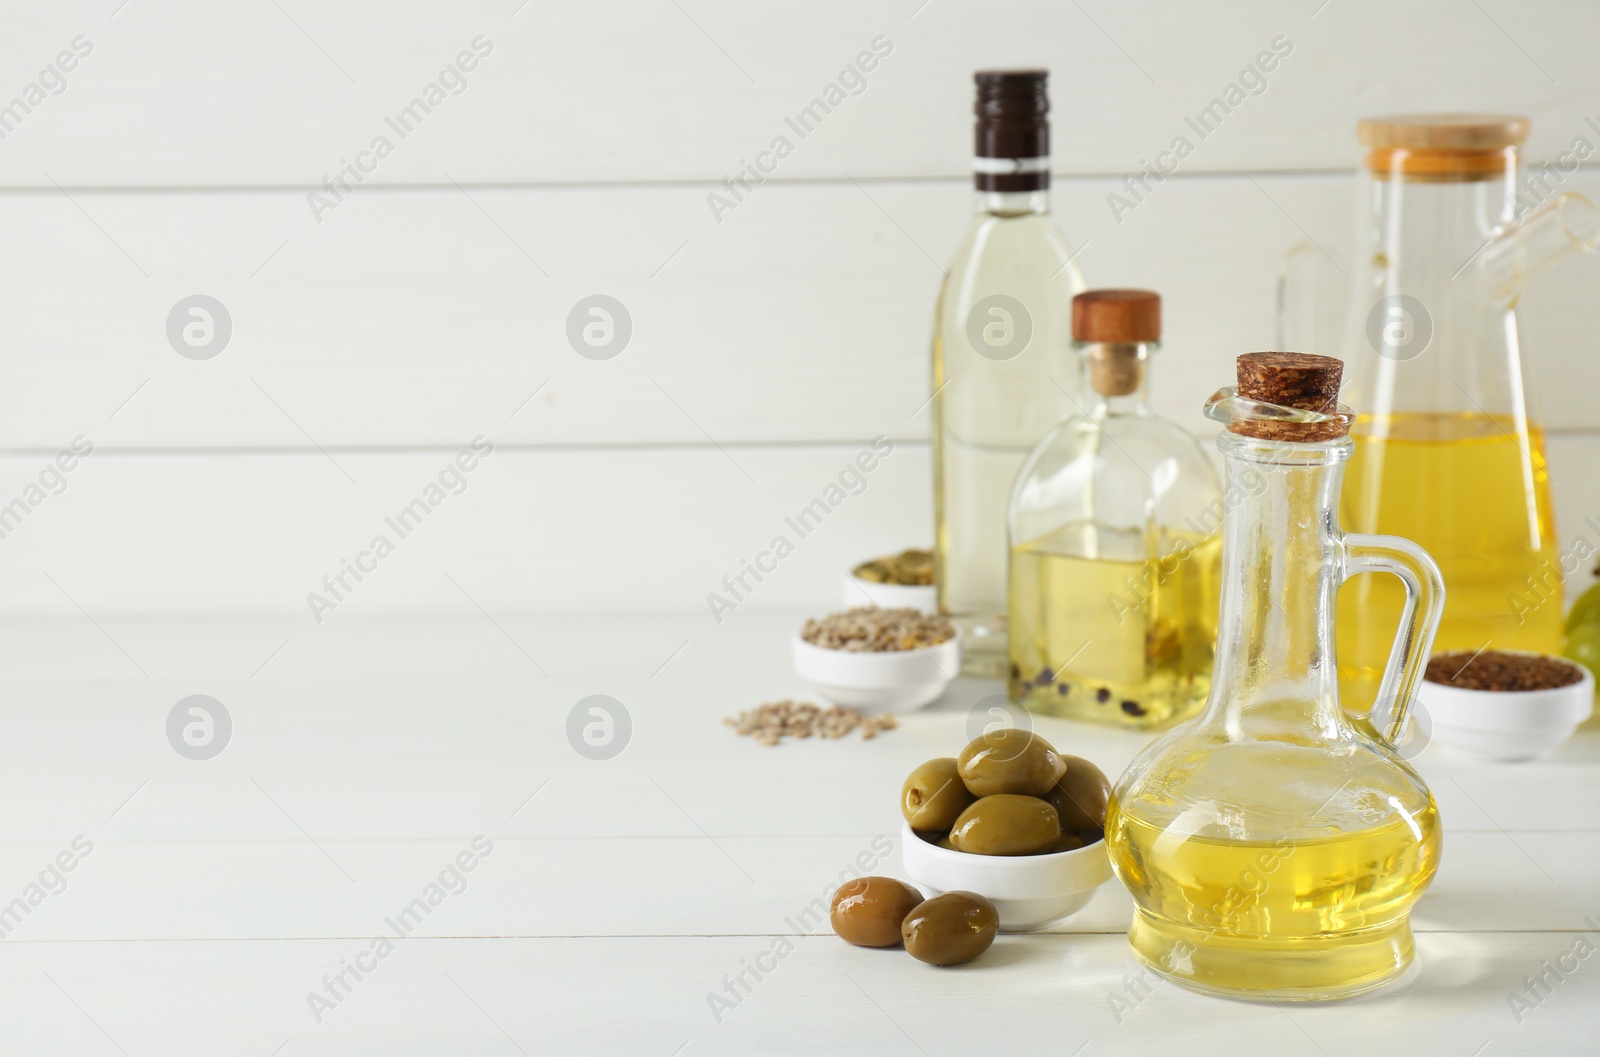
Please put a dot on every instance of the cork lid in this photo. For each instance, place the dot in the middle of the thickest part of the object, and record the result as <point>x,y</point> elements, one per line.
<point>1444,131</point>
<point>1291,380</point>
<point>1116,315</point>
<point>1442,148</point>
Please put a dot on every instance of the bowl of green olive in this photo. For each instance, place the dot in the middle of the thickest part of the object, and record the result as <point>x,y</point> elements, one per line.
<point>1010,819</point>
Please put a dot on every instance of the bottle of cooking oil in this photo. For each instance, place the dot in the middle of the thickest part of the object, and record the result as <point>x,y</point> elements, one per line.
<point>1115,545</point>
<point>1002,372</point>
<point>1273,845</point>
<point>1449,450</point>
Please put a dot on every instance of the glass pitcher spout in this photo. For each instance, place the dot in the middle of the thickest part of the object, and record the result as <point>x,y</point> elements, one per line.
<point>1565,224</point>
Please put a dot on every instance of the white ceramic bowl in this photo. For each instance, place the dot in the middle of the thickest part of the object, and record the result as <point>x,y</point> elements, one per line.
<point>859,592</point>
<point>891,681</point>
<point>1031,892</point>
<point>1506,725</point>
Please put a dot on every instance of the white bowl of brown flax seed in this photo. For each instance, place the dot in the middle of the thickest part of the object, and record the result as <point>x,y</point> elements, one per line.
<point>1505,705</point>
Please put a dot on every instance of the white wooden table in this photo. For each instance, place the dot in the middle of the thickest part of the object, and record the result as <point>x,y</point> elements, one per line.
<point>616,895</point>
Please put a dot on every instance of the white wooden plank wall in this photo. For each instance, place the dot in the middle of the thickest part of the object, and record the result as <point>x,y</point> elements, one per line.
<point>572,154</point>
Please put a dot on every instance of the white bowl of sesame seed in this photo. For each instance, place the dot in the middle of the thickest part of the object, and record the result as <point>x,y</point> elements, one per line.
<point>878,660</point>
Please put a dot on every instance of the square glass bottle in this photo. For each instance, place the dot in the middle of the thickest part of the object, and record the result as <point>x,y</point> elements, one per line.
<point>1114,541</point>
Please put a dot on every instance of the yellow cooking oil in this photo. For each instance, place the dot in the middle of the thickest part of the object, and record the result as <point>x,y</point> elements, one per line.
<point>1108,628</point>
<point>1289,919</point>
<point>1474,491</point>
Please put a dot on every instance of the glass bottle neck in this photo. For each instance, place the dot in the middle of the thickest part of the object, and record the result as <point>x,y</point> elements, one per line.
<point>1013,203</point>
<point>1116,377</point>
<point>1281,568</point>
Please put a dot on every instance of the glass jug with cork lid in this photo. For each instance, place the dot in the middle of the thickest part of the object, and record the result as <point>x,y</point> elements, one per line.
<point>1449,446</point>
<point>1114,540</point>
<point>1274,845</point>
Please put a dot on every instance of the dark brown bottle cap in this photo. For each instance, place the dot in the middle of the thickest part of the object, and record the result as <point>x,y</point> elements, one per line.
<point>1291,379</point>
<point>1116,316</point>
<point>1013,108</point>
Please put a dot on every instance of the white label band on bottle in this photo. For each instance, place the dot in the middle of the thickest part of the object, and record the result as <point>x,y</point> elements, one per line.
<point>1010,166</point>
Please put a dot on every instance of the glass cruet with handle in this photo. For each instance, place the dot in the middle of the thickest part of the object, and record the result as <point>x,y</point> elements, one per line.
<point>1275,844</point>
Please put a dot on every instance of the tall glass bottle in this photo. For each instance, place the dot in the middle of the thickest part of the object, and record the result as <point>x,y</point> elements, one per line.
<point>1002,373</point>
<point>1115,541</point>
<point>1275,845</point>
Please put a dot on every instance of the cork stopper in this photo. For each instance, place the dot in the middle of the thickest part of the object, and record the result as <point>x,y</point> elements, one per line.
<point>1116,316</point>
<point>1290,379</point>
<point>1113,323</point>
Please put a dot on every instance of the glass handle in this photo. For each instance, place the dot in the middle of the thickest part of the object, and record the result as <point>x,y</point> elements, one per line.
<point>1313,294</point>
<point>1297,298</point>
<point>1419,620</point>
<point>1565,223</point>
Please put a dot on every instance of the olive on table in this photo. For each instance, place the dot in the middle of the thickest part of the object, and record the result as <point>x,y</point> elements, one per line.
<point>934,796</point>
<point>1010,761</point>
<point>1006,824</point>
<point>950,929</point>
<point>867,911</point>
<point>1081,795</point>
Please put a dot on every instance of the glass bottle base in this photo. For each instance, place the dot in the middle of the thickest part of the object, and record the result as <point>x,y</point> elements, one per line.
<point>1155,705</point>
<point>983,645</point>
<point>1299,969</point>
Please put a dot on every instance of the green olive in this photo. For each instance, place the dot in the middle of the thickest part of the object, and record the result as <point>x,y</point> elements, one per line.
<point>1010,761</point>
<point>934,796</point>
<point>1080,796</point>
<point>867,911</point>
<point>1583,646</point>
<point>950,929</point>
<point>1069,842</point>
<point>1006,824</point>
<point>1586,610</point>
